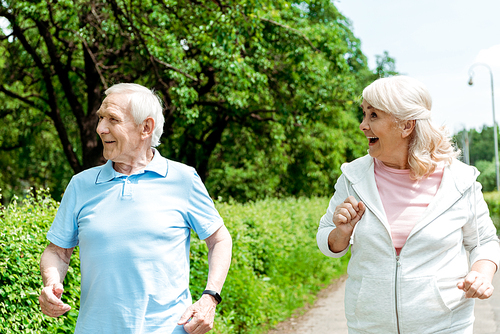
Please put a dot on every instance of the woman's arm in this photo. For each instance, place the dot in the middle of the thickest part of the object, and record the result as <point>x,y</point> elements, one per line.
<point>345,218</point>
<point>337,224</point>
<point>477,283</point>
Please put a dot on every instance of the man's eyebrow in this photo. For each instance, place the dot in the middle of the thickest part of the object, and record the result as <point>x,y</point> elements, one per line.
<point>110,114</point>
<point>113,115</point>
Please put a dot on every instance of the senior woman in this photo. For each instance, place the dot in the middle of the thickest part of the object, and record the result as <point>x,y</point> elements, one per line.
<point>422,243</point>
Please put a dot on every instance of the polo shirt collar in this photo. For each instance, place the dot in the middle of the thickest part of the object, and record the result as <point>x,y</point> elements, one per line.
<point>158,165</point>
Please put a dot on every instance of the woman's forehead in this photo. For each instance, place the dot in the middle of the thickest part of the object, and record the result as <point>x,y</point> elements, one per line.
<point>365,105</point>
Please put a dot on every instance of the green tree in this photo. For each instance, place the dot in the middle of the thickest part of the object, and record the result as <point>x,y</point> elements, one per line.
<point>488,174</point>
<point>265,91</point>
<point>481,144</point>
<point>481,153</point>
<point>386,65</point>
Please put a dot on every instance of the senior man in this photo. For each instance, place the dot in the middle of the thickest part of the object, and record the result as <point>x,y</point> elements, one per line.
<point>132,219</point>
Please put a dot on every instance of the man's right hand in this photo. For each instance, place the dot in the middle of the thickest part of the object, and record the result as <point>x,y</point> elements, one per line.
<point>50,301</point>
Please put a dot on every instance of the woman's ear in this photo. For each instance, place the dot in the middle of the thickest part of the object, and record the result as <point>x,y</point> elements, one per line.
<point>408,127</point>
<point>148,126</point>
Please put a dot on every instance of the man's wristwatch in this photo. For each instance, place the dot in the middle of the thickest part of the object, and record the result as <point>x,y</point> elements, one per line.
<point>214,294</point>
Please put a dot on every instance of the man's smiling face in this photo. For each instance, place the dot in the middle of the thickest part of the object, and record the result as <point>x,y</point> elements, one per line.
<point>120,135</point>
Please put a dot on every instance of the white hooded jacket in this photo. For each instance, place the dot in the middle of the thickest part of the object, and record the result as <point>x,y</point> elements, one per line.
<point>415,292</point>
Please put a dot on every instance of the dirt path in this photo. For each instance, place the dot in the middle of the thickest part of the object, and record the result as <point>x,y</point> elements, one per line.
<point>326,316</point>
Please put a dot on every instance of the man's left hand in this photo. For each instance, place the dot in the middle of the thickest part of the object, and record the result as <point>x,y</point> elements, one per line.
<point>202,315</point>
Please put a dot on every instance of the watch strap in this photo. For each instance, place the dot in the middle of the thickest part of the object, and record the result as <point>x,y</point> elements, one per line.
<point>214,294</point>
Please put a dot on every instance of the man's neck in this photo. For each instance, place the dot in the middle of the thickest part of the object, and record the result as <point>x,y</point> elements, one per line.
<point>136,165</point>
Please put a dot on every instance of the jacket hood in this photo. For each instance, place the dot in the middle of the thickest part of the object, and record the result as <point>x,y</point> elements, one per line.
<point>462,174</point>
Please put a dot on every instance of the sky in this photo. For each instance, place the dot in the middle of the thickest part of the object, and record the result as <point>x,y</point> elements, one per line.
<point>436,42</point>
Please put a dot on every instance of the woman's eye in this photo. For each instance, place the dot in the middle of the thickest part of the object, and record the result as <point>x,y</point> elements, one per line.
<point>373,115</point>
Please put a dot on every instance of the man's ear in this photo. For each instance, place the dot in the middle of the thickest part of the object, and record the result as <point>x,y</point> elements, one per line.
<point>408,127</point>
<point>148,126</point>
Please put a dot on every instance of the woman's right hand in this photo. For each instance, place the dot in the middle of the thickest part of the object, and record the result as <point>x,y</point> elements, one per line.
<point>347,215</point>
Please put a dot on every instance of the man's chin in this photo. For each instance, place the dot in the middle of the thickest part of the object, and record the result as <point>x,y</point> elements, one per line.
<point>107,155</point>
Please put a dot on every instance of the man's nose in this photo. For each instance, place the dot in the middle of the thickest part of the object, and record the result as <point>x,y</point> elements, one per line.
<point>102,127</point>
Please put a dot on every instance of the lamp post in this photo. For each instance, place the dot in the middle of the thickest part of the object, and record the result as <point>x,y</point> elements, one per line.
<point>465,145</point>
<point>495,129</point>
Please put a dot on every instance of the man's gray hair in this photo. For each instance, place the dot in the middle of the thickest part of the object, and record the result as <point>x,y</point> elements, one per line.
<point>144,103</point>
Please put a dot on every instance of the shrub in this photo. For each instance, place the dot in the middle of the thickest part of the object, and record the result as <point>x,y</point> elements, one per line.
<point>22,240</point>
<point>276,266</point>
<point>488,174</point>
<point>493,201</point>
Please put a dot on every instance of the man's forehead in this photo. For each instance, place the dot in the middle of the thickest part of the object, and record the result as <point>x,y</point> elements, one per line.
<point>116,102</point>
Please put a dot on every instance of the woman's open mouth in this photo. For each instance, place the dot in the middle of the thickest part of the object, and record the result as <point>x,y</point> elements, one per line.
<point>372,140</point>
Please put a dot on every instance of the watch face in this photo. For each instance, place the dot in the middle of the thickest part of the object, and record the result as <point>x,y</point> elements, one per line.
<point>214,294</point>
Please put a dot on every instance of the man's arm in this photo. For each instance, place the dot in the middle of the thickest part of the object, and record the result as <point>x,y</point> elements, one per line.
<point>219,258</point>
<point>53,267</point>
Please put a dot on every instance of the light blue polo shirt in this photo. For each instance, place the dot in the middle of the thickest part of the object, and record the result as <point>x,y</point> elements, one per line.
<point>134,234</point>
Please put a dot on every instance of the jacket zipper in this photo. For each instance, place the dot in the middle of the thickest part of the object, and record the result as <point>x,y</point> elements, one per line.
<point>398,264</point>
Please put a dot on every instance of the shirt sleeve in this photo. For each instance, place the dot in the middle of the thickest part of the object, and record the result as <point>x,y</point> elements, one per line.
<point>480,237</point>
<point>64,229</point>
<point>202,215</point>
<point>326,225</point>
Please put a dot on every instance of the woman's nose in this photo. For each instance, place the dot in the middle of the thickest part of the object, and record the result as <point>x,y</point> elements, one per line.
<point>363,125</point>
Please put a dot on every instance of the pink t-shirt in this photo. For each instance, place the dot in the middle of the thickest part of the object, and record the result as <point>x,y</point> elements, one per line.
<point>404,199</point>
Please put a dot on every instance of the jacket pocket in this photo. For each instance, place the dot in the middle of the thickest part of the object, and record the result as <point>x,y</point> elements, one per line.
<point>370,305</point>
<point>422,308</point>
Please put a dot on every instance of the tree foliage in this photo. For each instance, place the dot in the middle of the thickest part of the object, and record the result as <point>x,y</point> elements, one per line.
<point>481,153</point>
<point>481,143</point>
<point>259,96</point>
<point>386,65</point>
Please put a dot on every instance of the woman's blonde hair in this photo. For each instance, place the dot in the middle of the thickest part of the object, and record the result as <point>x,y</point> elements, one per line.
<point>408,99</point>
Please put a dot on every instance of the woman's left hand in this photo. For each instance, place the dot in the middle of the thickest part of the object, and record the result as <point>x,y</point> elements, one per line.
<point>476,285</point>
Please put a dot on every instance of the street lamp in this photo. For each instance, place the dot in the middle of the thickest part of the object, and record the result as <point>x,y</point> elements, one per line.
<point>495,129</point>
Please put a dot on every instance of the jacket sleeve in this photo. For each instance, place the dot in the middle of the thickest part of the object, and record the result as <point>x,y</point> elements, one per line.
<point>480,238</point>
<point>326,224</point>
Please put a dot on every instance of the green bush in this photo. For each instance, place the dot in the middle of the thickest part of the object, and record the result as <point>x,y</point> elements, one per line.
<point>493,201</point>
<point>276,266</point>
<point>488,174</point>
<point>22,240</point>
